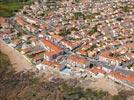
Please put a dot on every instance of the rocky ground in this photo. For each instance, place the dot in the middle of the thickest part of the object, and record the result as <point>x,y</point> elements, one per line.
<point>18,61</point>
<point>27,86</point>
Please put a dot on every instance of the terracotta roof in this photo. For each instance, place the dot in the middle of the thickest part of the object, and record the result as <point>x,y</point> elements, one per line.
<point>58,37</point>
<point>20,21</point>
<point>51,45</point>
<point>86,46</point>
<point>43,26</point>
<point>78,59</point>
<point>52,64</point>
<point>70,44</point>
<point>45,62</point>
<point>2,20</point>
<point>107,53</point>
<point>37,57</point>
<point>83,52</point>
<point>130,78</point>
<point>26,50</point>
<point>96,70</point>
<point>31,27</point>
<point>50,53</point>
<point>67,43</point>
<point>130,45</point>
<point>7,31</point>
<point>117,75</point>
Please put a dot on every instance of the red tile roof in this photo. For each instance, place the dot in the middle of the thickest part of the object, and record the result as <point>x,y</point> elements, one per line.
<point>70,44</point>
<point>117,75</point>
<point>50,53</point>
<point>20,21</point>
<point>82,52</point>
<point>57,37</point>
<point>43,26</point>
<point>52,64</point>
<point>78,59</point>
<point>107,54</point>
<point>130,78</point>
<point>2,20</point>
<point>51,45</point>
<point>96,70</point>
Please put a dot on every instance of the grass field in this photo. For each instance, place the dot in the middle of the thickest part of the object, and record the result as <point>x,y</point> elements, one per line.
<point>8,9</point>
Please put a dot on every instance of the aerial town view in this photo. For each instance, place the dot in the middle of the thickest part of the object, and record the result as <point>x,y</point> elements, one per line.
<point>67,49</point>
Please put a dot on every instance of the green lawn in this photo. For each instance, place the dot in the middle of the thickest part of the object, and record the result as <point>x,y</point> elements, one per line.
<point>8,9</point>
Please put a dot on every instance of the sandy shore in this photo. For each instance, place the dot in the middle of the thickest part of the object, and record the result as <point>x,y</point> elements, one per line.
<point>17,60</point>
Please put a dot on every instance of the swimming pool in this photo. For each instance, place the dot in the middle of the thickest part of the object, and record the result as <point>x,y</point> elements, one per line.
<point>66,70</point>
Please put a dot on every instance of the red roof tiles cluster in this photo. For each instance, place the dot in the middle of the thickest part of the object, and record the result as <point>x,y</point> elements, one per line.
<point>120,76</point>
<point>51,45</point>
<point>78,59</point>
<point>69,45</point>
<point>54,48</point>
<point>96,70</point>
<point>20,21</point>
<point>52,64</point>
<point>2,20</point>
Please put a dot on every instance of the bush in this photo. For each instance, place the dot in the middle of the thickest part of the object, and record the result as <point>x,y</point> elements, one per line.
<point>4,60</point>
<point>64,32</point>
<point>119,19</point>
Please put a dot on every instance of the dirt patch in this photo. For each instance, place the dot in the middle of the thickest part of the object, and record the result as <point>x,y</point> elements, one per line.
<point>105,85</point>
<point>17,60</point>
